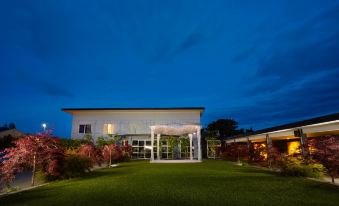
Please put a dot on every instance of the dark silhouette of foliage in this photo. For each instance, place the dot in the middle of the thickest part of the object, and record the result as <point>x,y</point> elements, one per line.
<point>6,141</point>
<point>224,128</point>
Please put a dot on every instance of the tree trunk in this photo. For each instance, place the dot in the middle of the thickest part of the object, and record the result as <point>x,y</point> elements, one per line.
<point>332,179</point>
<point>110,158</point>
<point>33,170</point>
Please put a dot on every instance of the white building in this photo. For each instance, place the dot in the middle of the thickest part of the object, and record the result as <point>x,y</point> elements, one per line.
<point>141,127</point>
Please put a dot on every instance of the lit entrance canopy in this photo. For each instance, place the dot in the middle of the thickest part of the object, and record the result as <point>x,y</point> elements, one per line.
<point>176,129</point>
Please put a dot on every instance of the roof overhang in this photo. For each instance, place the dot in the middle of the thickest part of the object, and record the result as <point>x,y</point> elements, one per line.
<point>78,110</point>
<point>328,123</point>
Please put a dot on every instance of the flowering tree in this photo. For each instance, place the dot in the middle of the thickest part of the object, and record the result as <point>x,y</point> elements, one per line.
<point>35,152</point>
<point>326,151</point>
<point>111,152</point>
<point>91,152</point>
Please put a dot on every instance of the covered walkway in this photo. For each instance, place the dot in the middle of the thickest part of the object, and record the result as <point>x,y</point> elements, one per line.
<point>193,132</point>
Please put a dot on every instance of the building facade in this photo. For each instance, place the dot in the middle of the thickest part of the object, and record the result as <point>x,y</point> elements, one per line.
<point>293,136</point>
<point>137,125</point>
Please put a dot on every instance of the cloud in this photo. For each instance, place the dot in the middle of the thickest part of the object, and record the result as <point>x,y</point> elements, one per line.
<point>190,41</point>
<point>52,89</point>
<point>244,55</point>
<point>300,52</point>
<point>47,87</point>
<point>317,95</point>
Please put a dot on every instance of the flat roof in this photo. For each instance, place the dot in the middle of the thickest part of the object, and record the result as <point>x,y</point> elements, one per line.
<point>306,122</point>
<point>70,110</point>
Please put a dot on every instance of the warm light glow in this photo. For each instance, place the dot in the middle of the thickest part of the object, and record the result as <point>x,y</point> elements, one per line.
<point>293,147</point>
<point>108,129</point>
<point>263,153</point>
<point>148,147</point>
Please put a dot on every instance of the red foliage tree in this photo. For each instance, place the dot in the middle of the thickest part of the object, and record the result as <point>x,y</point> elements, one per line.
<point>230,152</point>
<point>326,151</point>
<point>35,152</point>
<point>127,150</point>
<point>242,150</point>
<point>111,152</point>
<point>93,153</point>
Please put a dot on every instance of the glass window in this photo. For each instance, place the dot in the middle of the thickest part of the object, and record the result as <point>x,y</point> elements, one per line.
<point>139,150</point>
<point>88,129</point>
<point>135,149</point>
<point>85,129</point>
<point>82,128</point>
<point>135,142</point>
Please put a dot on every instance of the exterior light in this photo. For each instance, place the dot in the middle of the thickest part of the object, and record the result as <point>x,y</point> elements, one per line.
<point>44,125</point>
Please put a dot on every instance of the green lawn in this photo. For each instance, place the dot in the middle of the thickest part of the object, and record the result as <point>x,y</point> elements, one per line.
<point>209,183</point>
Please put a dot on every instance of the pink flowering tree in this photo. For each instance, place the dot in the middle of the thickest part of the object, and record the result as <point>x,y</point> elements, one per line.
<point>111,152</point>
<point>35,152</point>
<point>93,153</point>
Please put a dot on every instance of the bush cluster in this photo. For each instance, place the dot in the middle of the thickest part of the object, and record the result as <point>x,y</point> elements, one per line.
<point>50,158</point>
<point>298,167</point>
<point>323,157</point>
<point>76,165</point>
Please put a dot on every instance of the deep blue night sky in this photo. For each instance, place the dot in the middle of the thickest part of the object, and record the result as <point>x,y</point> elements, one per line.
<point>262,63</point>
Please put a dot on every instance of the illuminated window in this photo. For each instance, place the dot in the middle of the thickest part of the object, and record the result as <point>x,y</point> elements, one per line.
<point>85,129</point>
<point>108,129</point>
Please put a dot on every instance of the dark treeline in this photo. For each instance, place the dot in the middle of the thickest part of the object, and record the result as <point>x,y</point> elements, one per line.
<point>7,126</point>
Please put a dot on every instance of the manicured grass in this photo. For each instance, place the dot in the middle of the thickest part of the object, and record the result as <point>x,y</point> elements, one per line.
<point>209,183</point>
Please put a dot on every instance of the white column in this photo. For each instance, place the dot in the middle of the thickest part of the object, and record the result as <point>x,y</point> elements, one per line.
<point>158,146</point>
<point>199,143</point>
<point>179,146</point>
<point>191,155</point>
<point>152,144</point>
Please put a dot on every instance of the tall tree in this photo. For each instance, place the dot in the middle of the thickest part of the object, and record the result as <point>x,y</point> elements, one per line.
<point>223,128</point>
<point>11,126</point>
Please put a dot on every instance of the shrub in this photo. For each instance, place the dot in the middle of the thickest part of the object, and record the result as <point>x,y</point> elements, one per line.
<point>41,177</point>
<point>293,166</point>
<point>125,157</point>
<point>76,165</point>
<point>70,143</point>
<point>101,142</point>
